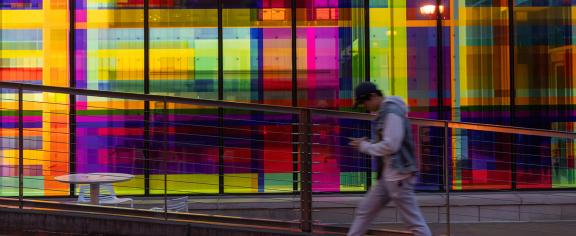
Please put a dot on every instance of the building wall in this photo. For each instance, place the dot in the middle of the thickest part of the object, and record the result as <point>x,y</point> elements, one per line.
<point>488,77</point>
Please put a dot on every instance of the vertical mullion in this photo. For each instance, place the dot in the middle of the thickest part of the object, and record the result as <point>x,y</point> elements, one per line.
<point>20,148</point>
<point>392,58</point>
<point>146,47</point>
<point>439,62</point>
<point>146,103</point>
<point>367,40</point>
<point>440,78</point>
<point>368,162</point>
<point>511,55</point>
<point>295,128</point>
<point>72,84</point>
<point>220,97</point>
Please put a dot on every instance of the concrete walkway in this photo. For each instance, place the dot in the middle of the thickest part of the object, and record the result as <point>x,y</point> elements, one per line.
<point>525,213</point>
<point>567,228</point>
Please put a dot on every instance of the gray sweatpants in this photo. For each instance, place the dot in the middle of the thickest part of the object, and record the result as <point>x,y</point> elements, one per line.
<point>402,194</point>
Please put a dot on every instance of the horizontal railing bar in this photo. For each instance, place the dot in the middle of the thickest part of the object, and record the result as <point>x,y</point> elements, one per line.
<point>284,109</point>
<point>342,114</point>
<point>511,130</point>
<point>149,97</point>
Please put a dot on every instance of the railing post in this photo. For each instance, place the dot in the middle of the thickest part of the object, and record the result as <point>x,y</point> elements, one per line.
<point>447,186</point>
<point>295,154</point>
<point>20,148</point>
<point>165,157</point>
<point>305,171</point>
<point>148,118</point>
<point>368,160</point>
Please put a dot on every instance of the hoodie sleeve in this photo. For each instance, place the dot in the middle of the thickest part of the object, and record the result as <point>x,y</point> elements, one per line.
<point>392,137</point>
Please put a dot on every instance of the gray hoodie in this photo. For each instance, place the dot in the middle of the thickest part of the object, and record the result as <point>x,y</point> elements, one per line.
<point>392,141</point>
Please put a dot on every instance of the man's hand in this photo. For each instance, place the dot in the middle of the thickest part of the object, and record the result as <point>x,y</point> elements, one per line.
<point>355,142</point>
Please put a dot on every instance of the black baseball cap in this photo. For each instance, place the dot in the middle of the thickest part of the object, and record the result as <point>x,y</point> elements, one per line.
<point>363,91</point>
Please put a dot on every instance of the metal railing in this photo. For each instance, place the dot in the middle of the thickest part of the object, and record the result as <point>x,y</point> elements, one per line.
<point>443,142</point>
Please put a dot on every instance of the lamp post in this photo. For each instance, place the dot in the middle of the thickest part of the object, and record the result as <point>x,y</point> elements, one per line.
<point>430,10</point>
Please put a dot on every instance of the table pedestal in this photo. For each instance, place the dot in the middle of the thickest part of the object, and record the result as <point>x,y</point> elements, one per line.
<point>95,194</point>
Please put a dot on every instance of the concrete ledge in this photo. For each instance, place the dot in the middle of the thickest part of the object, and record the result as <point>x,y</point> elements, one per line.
<point>469,207</point>
<point>330,200</point>
<point>338,209</point>
<point>57,222</point>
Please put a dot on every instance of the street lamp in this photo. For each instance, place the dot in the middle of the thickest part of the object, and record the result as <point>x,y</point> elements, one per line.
<point>429,10</point>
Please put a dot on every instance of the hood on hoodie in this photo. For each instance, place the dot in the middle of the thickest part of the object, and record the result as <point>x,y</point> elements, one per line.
<point>398,101</point>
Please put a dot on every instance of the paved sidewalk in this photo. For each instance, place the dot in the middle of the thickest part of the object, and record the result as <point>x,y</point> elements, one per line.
<point>566,228</point>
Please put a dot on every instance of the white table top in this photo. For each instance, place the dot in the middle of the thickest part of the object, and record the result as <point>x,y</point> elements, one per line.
<point>94,178</point>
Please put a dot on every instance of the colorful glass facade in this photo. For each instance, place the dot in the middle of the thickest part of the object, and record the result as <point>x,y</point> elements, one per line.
<point>501,64</point>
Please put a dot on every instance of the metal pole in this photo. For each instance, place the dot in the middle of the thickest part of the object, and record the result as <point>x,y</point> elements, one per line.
<point>440,61</point>
<point>366,40</point>
<point>221,169</point>
<point>146,47</point>
<point>294,58</point>
<point>392,49</point>
<point>165,159</point>
<point>72,97</point>
<point>511,57</point>
<point>295,148</point>
<point>368,161</point>
<point>440,93</point>
<point>20,149</point>
<point>446,176</point>
<point>146,152</point>
<point>147,119</point>
<point>305,172</point>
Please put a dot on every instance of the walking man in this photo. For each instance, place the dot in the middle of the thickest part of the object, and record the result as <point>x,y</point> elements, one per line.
<point>392,145</point>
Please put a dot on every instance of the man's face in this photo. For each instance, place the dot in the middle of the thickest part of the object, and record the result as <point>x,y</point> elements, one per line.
<point>373,103</point>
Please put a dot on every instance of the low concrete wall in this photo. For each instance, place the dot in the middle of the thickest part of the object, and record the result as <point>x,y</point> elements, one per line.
<point>475,207</point>
<point>338,209</point>
<point>25,222</point>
